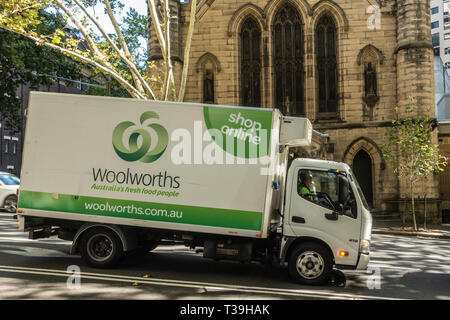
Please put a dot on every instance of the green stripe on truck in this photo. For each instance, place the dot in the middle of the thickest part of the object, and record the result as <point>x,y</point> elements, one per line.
<point>150,211</point>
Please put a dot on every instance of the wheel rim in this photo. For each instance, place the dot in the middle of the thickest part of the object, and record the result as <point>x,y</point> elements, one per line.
<point>100,247</point>
<point>11,204</point>
<point>310,265</point>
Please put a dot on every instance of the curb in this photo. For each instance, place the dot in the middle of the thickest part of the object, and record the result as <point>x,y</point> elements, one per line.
<point>433,235</point>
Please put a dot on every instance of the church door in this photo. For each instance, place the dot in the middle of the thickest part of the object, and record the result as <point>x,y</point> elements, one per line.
<point>362,168</point>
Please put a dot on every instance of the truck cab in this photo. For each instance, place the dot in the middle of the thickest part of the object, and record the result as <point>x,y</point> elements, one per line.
<point>326,221</point>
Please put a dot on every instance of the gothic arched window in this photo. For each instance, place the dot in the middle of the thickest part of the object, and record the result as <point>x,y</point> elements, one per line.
<point>327,66</point>
<point>288,61</point>
<point>250,64</point>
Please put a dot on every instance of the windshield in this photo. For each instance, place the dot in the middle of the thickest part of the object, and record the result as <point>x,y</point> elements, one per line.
<point>361,194</point>
<point>9,179</point>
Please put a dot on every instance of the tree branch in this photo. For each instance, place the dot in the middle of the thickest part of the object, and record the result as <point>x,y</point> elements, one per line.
<point>132,90</point>
<point>187,50</point>
<point>157,25</point>
<point>131,65</point>
<point>20,10</point>
<point>123,44</point>
<point>168,77</point>
<point>85,34</point>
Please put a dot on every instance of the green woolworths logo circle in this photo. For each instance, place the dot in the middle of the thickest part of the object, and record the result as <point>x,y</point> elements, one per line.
<point>134,151</point>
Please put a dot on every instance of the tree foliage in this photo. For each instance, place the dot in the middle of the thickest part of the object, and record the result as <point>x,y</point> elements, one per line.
<point>116,54</point>
<point>409,148</point>
<point>22,62</point>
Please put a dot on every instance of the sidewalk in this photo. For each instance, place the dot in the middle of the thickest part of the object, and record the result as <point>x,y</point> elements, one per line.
<point>400,229</point>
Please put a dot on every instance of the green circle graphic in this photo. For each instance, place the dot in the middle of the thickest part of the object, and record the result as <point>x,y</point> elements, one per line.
<point>135,152</point>
<point>241,132</point>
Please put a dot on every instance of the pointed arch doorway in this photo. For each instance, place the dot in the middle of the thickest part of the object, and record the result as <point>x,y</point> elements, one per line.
<point>362,168</point>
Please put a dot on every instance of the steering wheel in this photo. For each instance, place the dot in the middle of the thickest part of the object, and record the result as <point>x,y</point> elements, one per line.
<point>326,198</point>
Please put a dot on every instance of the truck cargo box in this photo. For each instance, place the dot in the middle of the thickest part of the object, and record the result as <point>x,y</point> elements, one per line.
<point>164,165</point>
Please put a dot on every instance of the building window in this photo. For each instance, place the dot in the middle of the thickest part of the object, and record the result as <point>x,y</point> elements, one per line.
<point>435,25</point>
<point>326,59</point>
<point>7,140</point>
<point>435,10</point>
<point>208,86</point>
<point>435,39</point>
<point>446,10</point>
<point>447,36</point>
<point>14,147</point>
<point>250,64</point>
<point>447,50</point>
<point>288,62</point>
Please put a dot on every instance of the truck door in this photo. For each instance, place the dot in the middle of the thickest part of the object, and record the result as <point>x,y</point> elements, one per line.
<point>315,211</point>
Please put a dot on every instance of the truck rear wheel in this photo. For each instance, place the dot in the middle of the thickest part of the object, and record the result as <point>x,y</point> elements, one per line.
<point>101,248</point>
<point>310,264</point>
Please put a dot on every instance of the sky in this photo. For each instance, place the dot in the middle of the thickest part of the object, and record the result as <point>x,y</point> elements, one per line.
<point>139,5</point>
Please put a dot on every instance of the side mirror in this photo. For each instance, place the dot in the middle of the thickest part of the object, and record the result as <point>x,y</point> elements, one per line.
<point>340,208</point>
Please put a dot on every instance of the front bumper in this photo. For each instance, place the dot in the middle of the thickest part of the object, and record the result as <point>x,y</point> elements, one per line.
<point>363,261</point>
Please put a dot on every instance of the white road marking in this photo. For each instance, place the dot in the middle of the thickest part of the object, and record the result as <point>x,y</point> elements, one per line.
<point>55,241</point>
<point>33,251</point>
<point>192,284</point>
<point>389,266</point>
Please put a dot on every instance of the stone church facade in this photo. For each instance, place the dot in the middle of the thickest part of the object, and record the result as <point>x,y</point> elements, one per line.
<point>344,64</point>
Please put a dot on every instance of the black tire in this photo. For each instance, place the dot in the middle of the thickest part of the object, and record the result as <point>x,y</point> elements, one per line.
<point>311,264</point>
<point>101,248</point>
<point>10,204</point>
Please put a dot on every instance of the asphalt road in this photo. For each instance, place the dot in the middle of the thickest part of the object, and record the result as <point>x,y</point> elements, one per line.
<point>400,268</point>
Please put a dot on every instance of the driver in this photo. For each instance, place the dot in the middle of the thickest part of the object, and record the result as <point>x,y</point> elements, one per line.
<point>304,186</point>
<point>305,190</point>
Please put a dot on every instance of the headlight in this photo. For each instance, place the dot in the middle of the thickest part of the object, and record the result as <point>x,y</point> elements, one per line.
<point>364,246</point>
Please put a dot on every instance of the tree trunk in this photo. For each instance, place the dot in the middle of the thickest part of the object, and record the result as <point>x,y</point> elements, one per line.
<point>425,211</point>
<point>412,206</point>
<point>187,50</point>
<point>405,206</point>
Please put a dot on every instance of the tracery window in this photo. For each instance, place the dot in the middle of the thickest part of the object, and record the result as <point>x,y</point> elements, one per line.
<point>288,61</point>
<point>250,64</point>
<point>326,66</point>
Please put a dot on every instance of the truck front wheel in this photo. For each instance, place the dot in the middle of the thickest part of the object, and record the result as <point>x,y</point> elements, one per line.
<point>101,248</point>
<point>310,264</point>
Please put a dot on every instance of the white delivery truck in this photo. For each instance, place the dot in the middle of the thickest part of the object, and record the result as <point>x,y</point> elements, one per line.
<point>113,175</point>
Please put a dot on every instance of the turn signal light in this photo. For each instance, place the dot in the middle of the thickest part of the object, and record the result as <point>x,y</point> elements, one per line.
<point>343,253</point>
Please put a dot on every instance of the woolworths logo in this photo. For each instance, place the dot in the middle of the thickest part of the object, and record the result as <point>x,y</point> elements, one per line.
<point>139,140</point>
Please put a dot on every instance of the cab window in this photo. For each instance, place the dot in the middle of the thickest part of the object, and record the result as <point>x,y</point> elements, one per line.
<point>321,188</point>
